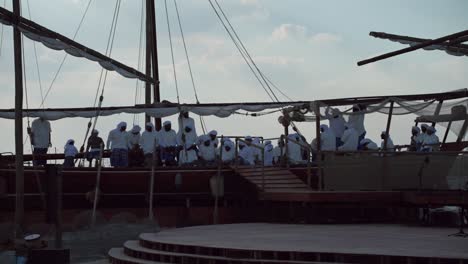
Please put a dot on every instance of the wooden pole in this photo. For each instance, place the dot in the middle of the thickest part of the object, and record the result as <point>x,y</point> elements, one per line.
<point>387,129</point>
<point>413,48</point>
<point>96,190</point>
<point>154,60</point>
<point>58,220</point>
<point>19,201</point>
<point>148,57</point>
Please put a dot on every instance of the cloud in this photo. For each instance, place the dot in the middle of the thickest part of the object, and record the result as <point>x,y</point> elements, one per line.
<point>324,38</point>
<point>287,31</point>
<point>250,2</point>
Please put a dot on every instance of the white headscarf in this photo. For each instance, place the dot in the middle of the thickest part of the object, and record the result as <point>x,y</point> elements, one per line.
<point>136,129</point>
<point>121,124</point>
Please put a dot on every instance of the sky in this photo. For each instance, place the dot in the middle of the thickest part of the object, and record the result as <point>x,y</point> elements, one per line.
<point>308,48</point>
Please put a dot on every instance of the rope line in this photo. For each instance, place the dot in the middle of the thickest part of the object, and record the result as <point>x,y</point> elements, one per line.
<point>172,51</point>
<point>137,82</point>
<point>66,54</point>
<point>1,31</point>
<point>36,58</point>
<point>186,52</point>
<point>245,49</point>
<point>240,50</point>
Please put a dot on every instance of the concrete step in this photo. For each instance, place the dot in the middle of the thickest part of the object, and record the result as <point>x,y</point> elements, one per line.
<point>117,256</point>
<point>134,249</point>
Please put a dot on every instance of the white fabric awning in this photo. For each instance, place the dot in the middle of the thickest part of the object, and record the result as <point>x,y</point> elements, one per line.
<point>159,110</point>
<point>56,41</point>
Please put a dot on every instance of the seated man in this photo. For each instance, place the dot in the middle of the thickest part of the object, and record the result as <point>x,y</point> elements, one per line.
<point>207,151</point>
<point>93,148</point>
<point>228,154</point>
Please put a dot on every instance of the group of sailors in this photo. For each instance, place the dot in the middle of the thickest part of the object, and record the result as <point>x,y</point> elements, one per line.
<point>351,135</point>
<point>168,147</point>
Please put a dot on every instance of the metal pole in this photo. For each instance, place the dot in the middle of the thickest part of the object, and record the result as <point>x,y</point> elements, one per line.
<point>19,201</point>
<point>96,190</point>
<point>319,146</point>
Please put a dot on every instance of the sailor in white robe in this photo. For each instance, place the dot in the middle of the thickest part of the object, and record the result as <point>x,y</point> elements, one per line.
<point>168,143</point>
<point>278,152</point>
<point>188,142</point>
<point>390,145</point>
<point>185,120</point>
<point>149,142</point>
<point>268,154</point>
<point>327,138</point>
<point>350,139</point>
<point>207,152</point>
<point>228,154</point>
<point>356,120</point>
<point>257,151</point>
<point>134,137</point>
<point>337,123</point>
<point>368,144</point>
<point>246,152</point>
<point>415,144</point>
<point>423,133</point>
<point>213,136</point>
<point>431,140</point>
<point>294,150</point>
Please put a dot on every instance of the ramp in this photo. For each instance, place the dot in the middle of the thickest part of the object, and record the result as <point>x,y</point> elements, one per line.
<point>272,179</point>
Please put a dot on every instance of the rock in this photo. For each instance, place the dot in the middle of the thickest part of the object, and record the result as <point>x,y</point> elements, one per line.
<point>83,219</point>
<point>123,217</point>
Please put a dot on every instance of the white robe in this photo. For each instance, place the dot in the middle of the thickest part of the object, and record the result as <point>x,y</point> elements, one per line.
<point>41,133</point>
<point>117,139</point>
<point>429,140</point>
<point>228,155</point>
<point>390,145</point>
<point>356,120</point>
<point>185,155</point>
<point>337,125</point>
<point>207,153</point>
<point>268,155</point>
<point>277,154</point>
<point>183,122</point>
<point>248,155</point>
<point>294,153</point>
<point>350,140</point>
<point>133,140</point>
<point>148,141</point>
<point>328,140</point>
<point>167,138</point>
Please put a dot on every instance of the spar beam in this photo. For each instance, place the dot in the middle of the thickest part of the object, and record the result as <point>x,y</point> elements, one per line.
<point>70,46</point>
<point>415,47</point>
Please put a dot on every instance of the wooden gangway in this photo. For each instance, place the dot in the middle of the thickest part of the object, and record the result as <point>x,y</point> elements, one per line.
<point>272,179</point>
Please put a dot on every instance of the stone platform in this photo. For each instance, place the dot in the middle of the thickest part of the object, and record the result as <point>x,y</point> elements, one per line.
<point>284,243</point>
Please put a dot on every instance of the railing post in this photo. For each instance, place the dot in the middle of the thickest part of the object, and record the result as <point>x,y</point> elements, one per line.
<point>218,178</point>
<point>96,190</point>
<point>151,190</point>
<point>309,167</point>
<point>263,169</point>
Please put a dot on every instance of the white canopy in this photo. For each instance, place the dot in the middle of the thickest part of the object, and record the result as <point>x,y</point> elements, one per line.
<point>158,110</point>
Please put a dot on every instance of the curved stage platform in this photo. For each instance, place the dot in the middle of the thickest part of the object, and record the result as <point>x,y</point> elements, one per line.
<point>281,243</point>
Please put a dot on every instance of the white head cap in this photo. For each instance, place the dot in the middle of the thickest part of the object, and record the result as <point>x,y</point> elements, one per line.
<point>365,141</point>
<point>417,129</point>
<point>167,122</point>
<point>95,131</point>
<point>249,138</point>
<point>213,132</point>
<point>432,129</point>
<point>136,129</point>
<point>425,125</point>
<point>121,124</point>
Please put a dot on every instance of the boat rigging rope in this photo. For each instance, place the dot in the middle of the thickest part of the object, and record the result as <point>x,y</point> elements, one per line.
<point>240,50</point>
<point>36,58</point>
<point>109,46</point>
<point>202,121</point>
<point>172,51</point>
<point>245,49</point>
<point>66,54</point>
<point>136,118</point>
<point>1,31</point>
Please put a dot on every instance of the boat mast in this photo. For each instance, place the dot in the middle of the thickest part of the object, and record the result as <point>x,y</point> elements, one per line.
<point>19,200</point>
<point>152,68</point>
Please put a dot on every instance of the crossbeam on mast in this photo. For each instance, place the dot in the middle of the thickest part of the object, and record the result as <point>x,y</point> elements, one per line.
<point>452,37</point>
<point>53,39</point>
